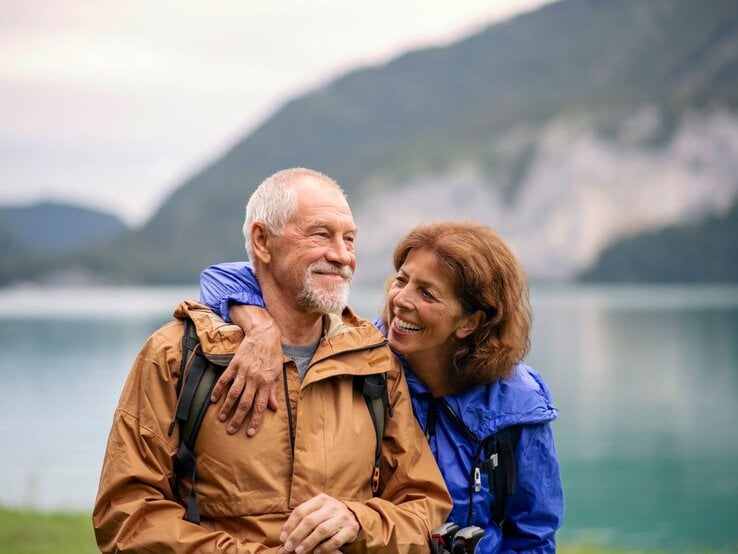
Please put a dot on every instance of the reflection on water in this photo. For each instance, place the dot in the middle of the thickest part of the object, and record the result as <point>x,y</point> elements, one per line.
<point>61,381</point>
<point>64,355</point>
<point>646,380</point>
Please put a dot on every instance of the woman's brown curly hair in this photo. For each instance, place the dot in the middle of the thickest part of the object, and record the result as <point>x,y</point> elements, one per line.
<point>486,276</point>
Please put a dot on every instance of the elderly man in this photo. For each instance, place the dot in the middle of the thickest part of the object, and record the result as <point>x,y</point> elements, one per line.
<point>303,484</point>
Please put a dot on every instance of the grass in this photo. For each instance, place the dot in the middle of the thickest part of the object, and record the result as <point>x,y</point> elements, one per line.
<point>26,532</point>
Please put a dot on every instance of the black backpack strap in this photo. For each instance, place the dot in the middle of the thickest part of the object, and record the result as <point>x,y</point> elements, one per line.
<point>190,343</point>
<point>196,381</point>
<point>374,389</point>
<point>499,462</point>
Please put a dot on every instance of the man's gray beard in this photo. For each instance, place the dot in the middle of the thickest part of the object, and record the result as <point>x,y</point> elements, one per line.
<point>333,300</point>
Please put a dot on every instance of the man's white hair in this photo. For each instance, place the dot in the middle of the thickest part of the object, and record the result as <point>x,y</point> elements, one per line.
<point>275,201</point>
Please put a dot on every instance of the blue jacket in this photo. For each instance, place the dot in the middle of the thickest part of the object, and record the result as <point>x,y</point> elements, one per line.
<point>536,510</point>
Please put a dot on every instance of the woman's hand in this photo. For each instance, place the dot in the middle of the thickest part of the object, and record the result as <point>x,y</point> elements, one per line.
<point>254,372</point>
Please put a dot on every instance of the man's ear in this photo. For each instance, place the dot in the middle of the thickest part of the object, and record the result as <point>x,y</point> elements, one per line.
<point>261,242</point>
<point>469,324</point>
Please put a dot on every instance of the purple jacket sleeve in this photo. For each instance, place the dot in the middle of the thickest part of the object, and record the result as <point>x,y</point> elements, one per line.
<point>230,282</point>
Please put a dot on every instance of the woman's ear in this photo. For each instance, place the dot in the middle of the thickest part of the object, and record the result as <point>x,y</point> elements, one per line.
<point>261,242</point>
<point>469,324</point>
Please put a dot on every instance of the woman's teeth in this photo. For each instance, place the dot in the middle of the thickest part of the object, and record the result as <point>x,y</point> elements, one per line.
<point>406,326</point>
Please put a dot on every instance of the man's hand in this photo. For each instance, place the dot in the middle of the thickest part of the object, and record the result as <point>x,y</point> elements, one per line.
<point>320,525</point>
<point>254,371</point>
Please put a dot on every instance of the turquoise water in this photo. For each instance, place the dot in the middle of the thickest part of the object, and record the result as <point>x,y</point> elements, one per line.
<point>645,378</point>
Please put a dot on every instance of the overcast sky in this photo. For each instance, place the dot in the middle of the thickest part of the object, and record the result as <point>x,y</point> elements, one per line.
<point>112,104</point>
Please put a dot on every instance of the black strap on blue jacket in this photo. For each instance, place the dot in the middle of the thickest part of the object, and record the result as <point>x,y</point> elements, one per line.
<point>499,463</point>
<point>496,457</point>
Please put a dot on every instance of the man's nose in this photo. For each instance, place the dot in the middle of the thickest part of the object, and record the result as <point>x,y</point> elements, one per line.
<point>339,253</point>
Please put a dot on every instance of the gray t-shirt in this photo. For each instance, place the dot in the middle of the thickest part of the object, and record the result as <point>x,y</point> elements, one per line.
<point>301,355</point>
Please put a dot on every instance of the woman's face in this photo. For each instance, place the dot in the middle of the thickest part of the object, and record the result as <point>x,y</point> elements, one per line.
<point>424,312</point>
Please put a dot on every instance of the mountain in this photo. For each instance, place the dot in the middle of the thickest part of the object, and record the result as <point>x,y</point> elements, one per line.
<point>49,227</point>
<point>566,129</point>
<point>44,241</point>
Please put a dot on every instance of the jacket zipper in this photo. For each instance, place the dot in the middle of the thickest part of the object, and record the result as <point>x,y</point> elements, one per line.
<point>289,411</point>
<point>383,342</point>
<point>475,475</point>
<point>459,422</point>
<point>287,392</point>
<point>430,424</point>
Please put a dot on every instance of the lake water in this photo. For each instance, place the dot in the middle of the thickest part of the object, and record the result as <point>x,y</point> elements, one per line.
<point>645,378</point>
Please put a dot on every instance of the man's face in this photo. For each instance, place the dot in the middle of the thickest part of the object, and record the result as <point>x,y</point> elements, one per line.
<point>314,257</point>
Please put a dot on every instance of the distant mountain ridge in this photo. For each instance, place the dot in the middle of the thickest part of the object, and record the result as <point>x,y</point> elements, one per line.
<point>53,227</point>
<point>44,241</point>
<point>567,129</point>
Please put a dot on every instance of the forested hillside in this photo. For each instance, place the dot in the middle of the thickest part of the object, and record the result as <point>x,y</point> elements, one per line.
<point>50,234</point>
<point>705,252</point>
<point>54,227</point>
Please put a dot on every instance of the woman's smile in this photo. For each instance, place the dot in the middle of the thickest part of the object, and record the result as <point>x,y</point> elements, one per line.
<point>405,326</point>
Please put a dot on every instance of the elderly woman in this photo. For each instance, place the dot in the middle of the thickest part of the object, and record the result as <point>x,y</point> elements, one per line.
<point>457,315</point>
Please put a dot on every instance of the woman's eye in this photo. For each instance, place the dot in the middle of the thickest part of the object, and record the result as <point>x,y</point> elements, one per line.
<point>426,294</point>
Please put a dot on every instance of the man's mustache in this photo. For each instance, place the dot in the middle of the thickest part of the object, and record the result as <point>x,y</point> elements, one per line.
<point>325,267</point>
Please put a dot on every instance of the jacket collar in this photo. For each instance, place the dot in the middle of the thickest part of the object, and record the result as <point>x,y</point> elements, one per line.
<point>524,398</point>
<point>341,333</point>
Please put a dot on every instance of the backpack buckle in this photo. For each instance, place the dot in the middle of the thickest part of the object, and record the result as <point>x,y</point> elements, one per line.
<point>375,480</point>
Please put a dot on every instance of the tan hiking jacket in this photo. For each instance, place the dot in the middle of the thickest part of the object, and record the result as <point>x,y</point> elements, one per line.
<point>321,439</point>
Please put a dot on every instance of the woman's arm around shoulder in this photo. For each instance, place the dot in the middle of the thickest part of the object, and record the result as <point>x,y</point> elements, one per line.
<point>229,282</point>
